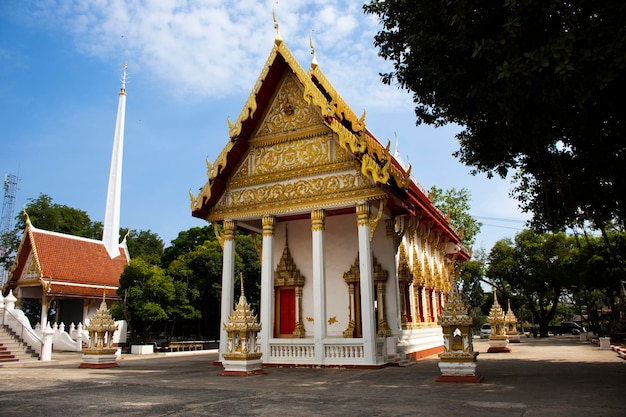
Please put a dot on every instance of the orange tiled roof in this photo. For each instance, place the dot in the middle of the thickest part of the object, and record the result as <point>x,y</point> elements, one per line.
<point>72,266</point>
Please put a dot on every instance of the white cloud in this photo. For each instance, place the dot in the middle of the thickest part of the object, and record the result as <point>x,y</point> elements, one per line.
<point>207,48</point>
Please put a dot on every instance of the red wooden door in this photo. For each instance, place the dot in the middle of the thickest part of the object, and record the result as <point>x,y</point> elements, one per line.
<point>287,311</point>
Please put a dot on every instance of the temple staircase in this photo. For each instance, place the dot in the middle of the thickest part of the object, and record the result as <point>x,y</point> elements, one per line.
<point>400,360</point>
<point>12,349</point>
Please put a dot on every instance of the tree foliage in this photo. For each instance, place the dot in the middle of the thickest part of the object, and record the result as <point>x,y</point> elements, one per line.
<point>146,292</point>
<point>195,258</point>
<point>456,204</point>
<point>47,215</point>
<point>595,282</point>
<point>537,87</point>
<point>145,244</point>
<point>534,268</point>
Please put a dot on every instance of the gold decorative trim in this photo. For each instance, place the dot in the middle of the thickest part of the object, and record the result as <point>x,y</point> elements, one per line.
<point>300,205</point>
<point>219,235</point>
<point>304,132</point>
<point>340,106</point>
<point>287,273</point>
<point>404,268</point>
<point>290,175</point>
<point>374,220</point>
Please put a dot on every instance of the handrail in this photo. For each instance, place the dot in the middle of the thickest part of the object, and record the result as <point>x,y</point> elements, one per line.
<point>21,326</point>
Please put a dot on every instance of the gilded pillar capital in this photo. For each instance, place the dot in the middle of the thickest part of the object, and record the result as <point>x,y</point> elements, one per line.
<point>229,229</point>
<point>318,218</point>
<point>363,214</point>
<point>268,225</point>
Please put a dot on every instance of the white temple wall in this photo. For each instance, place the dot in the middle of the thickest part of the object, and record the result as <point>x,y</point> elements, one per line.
<point>383,250</point>
<point>341,248</point>
<point>340,251</point>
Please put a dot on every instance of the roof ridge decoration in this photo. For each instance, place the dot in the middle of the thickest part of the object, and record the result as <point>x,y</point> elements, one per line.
<point>352,134</point>
<point>33,246</point>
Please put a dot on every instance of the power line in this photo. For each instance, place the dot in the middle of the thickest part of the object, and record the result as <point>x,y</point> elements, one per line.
<point>500,219</point>
<point>503,227</point>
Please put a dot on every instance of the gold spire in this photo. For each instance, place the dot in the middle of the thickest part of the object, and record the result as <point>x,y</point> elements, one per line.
<point>314,60</point>
<point>279,39</point>
<point>242,297</point>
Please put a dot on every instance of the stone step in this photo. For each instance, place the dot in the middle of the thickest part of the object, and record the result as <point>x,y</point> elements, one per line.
<point>12,350</point>
<point>399,361</point>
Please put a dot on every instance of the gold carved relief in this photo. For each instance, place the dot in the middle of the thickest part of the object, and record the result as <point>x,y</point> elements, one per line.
<point>289,111</point>
<point>291,155</point>
<point>286,191</point>
<point>31,271</point>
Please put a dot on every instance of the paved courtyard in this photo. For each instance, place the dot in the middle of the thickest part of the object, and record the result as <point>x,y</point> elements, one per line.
<point>557,376</point>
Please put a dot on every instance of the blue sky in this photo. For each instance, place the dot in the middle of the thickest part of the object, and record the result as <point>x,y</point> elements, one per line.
<point>191,65</point>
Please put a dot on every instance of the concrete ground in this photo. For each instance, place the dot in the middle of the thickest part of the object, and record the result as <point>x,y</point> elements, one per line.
<point>556,376</point>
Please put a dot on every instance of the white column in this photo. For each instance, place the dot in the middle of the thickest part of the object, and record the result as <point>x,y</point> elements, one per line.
<point>267,286</point>
<point>368,324</point>
<point>228,281</point>
<point>435,312</point>
<point>425,309</point>
<point>319,283</point>
<point>44,311</point>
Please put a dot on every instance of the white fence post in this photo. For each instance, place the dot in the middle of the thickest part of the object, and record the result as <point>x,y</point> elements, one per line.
<point>46,349</point>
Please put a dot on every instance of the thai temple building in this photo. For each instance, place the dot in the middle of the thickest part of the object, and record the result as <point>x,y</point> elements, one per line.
<point>357,263</point>
<point>74,271</point>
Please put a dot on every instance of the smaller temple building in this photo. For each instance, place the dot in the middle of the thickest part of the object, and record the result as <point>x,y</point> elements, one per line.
<point>73,271</point>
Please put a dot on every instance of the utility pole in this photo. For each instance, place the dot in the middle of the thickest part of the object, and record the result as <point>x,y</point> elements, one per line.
<point>6,221</point>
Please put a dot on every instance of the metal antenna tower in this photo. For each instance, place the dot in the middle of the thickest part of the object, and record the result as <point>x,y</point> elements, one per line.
<point>6,221</point>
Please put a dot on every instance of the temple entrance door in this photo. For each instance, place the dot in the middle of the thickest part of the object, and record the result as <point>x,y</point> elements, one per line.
<point>286,314</point>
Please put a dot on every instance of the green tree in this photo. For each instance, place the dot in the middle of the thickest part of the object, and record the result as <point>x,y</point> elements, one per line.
<point>195,258</point>
<point>537,87</point>
<point>187,241</point>
<point>456,205</point>
<point>595,287</point>
<point>47,215</point>
<point>144,244</point>
<point>201,270</point>
<point>146,292</point>
<point>534,269</point>
<point>469,283</point>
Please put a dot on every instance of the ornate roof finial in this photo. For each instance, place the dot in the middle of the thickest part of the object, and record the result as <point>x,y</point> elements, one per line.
<point>279,39</point>
<point>123,89</point>
<point>27,220</point>
<point>314,60</point>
